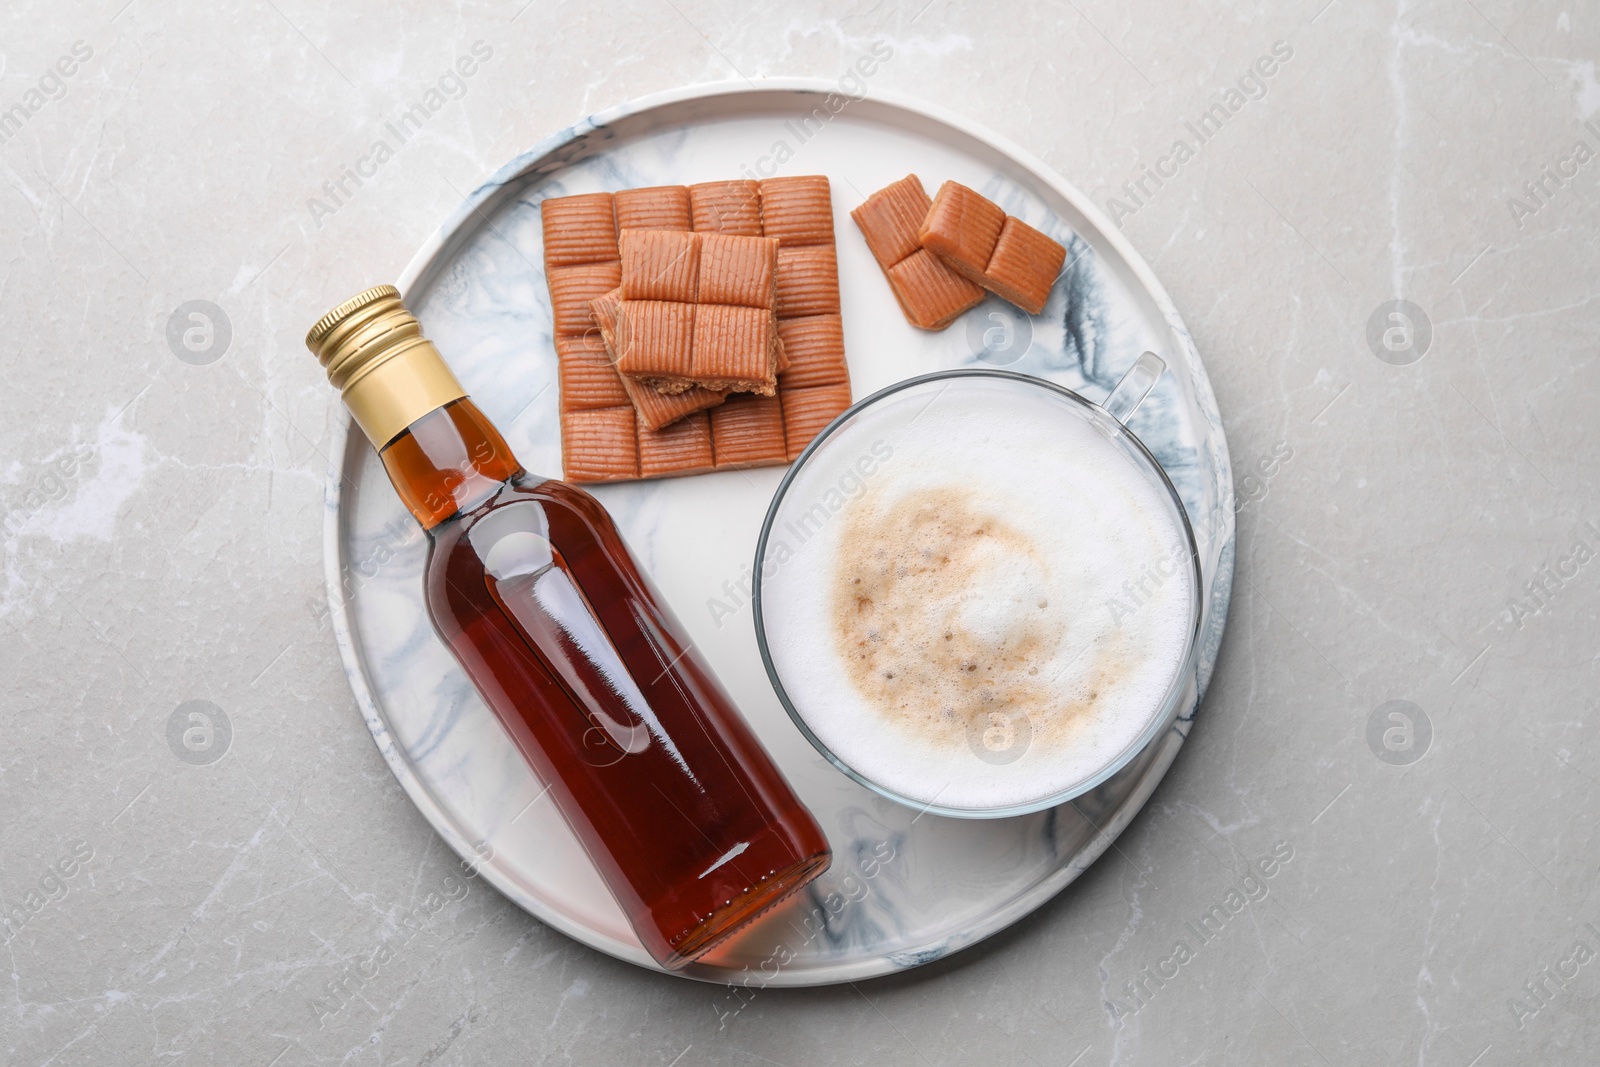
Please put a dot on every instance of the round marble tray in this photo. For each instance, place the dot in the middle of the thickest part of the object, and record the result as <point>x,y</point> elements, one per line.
<point>904,889</point>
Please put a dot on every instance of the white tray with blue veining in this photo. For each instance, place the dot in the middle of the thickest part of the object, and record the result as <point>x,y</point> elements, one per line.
<point>904,889</point>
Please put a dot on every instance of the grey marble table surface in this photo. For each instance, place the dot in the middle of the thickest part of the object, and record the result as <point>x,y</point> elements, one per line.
<point>1386,251</point>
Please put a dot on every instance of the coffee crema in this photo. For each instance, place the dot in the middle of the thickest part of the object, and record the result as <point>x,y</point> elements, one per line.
<point>994,616</point>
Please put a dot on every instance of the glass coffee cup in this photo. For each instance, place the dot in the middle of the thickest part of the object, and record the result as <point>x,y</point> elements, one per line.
<point>978,594</point>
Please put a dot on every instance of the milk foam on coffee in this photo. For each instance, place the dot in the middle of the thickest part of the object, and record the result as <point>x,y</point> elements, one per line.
<point>973,598</point>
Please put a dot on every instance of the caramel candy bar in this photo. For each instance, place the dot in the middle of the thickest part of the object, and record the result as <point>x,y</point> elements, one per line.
<point>747,431</point>
<point>659,265</point>
<point>931,294</point>
<point>1001,253</point>
<point>732,207</point>
<point>615,428</point>
<point>661,207</point>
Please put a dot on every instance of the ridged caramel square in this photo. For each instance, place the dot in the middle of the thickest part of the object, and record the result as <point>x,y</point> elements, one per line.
<point>654,340</point>
<point>659,207</point>
<point>890,219</point>
<point>797,210</point>
<point>962,227</point>
<point>807,411</point>
<point>930,293</point>
<point>660,265</point>
<point>571,290</point>
<point>738,270</point>
<point>682,448</point>
<point>747,431</point>
<point>808,281</point>
<point>578,229</point>
<point>600,445</point>
<point>733,348</point>
<point>814,345</point>
<point>1024,265</point>
<point>732,207</point>
<point>587,378</point>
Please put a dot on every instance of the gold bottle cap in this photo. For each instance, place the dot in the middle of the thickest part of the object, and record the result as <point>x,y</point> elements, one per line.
<point>387,373</point>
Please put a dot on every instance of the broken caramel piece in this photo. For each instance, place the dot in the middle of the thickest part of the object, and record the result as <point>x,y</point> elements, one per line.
<point>930,293</point>
<point>1024,266</point>
<point>588,380</point>
<point>961,228</point>
<point>747,431</point>
<point>814,345</point>
<point>600,445</point>
<point>656,409</point>
<point>806,412</point>
<point>797,210</point>
<point>738,270</point>
<point>660,207</point>
<point>659,265</point>
<point>571,290</point>
<point>653,343</point>
<point>734,349</point>
<point>578,229</point>
<point>732,207</point>
<point>682,448</point>
<point>808,281</point>
<point>890,219</point>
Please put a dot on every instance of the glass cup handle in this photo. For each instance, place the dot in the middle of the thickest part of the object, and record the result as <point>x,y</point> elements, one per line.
<point>1134,387</point>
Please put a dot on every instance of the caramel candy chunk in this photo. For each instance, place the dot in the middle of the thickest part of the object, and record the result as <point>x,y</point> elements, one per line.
<point>601,445</point>
<point>930,293</point>
<point>653,343</point>
<point>659,265</point>
<point>798,210</point>
<point>732,207</point>
<point>578,229</point>
<point>806,412</point>
<point>890,219</point>
<point>571,290</point>
<point>738,270</point>
<point>962,228</point>
<point>656,409</point>
<point>733,349</point>
<point>587,378</point>
<point>814,345</point>
<point>660,207</point>
<point>747,431</point>
<point>998,251</point>
<point>1024,266</point>
<point>682,448</point>
<point>808,281</point>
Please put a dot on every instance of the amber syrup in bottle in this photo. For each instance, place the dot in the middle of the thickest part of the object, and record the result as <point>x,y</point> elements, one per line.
<point>529,583</point>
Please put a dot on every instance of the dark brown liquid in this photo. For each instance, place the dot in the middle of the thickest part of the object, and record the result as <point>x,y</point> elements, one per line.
<point>529,583</point>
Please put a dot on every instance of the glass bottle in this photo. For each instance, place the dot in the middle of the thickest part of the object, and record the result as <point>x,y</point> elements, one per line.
<point>530,585</point>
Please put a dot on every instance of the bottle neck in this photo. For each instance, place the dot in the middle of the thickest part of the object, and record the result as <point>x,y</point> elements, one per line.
<point>447,462</point>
